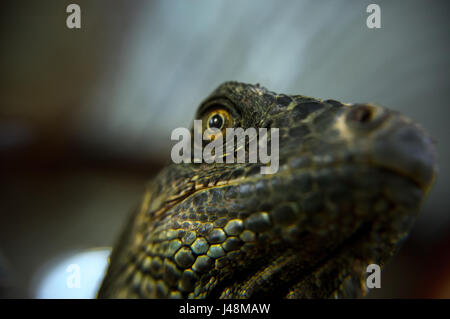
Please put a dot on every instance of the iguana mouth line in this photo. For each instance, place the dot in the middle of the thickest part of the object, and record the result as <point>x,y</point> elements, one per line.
<point>173,202</point>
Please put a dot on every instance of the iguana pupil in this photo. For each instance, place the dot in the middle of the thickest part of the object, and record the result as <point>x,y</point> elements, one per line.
<point>216,121</point>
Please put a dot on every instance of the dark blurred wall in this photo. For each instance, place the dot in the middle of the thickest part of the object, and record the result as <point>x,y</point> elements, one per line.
<point>58,193</point>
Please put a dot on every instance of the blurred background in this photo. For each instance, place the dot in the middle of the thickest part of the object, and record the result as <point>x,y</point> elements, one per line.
<point>86,114</point>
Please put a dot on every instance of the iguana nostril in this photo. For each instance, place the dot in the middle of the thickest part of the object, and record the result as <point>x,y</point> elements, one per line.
<point>362,114</point>
<point>365,116</point>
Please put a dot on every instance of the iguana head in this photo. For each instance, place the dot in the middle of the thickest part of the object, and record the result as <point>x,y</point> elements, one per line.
<point>349,184</point>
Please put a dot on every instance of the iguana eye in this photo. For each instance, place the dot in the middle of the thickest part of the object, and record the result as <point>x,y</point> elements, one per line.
<point>217,119</point>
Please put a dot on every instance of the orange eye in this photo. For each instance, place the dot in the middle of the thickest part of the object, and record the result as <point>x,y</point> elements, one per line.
<point>218,119</point>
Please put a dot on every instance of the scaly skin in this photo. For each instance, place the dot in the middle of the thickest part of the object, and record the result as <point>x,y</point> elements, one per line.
<point>349,187</point>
